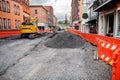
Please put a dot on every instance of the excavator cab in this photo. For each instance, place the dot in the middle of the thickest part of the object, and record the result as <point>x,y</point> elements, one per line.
<point>29,28</point>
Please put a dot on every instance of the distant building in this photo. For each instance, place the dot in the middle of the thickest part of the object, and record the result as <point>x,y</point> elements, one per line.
<point>81,11</point>
<point>12,13</point>
<point>74,14</point>
<point>50,14</point>
<point>45,15</point>
<point>55,21</point>
<point>41,13</point>
<point>91,23</point>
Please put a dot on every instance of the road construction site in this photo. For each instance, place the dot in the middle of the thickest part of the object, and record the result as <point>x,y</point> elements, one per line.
<point>58,56</point>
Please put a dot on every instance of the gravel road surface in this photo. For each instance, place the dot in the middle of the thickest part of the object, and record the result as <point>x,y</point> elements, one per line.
<point>26,59</point>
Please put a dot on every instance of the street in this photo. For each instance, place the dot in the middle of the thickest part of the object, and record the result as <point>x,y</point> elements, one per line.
<point>63,56</point>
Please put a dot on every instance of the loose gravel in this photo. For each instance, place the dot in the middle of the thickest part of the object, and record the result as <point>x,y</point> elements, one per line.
<point>65,40</point>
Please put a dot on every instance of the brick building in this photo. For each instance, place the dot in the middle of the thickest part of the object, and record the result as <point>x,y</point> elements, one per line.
<point>41,13</point>
<point>12,13</point>
<point>50,14</point>
<point>74,14</point>
<point>45,14</point>
<point>55,21</point>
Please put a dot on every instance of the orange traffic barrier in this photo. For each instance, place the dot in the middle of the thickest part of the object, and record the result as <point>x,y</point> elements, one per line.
<point>116,65</point>
<point>86,36</point>
<point>108,48</point>
<point>106,51</point>
<point>9,33</point>
<point>46,30</point>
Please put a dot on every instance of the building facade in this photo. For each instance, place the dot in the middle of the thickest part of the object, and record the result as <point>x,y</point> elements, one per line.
<point>12,13</point>
<point>41,13</point>
<point>91,23</point>
<point>50,14</point>
<point>75,14</point>
<point>55,21</point>
<point>109,17</point>
<point>82,9</point>
<point>92,20</point>
<point>85,8</point>
<point>45,15</point>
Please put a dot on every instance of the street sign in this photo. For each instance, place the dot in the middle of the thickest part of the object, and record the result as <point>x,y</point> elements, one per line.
<point>85,15</point>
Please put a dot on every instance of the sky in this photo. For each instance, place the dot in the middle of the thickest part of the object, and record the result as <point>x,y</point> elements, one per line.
<point>61,7</point>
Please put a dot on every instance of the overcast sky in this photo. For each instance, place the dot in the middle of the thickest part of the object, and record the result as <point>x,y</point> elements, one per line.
<point>61,7</point>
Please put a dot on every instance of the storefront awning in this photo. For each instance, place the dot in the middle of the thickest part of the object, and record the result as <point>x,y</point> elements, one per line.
<point>102,5</point>
<point>91,20</point>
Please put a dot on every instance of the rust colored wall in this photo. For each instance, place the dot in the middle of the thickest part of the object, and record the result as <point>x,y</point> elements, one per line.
<point>10,15</point>
<point>74,11</point>
<point>42,13</point>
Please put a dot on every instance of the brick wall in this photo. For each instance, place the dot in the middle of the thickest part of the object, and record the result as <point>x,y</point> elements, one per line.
<point>40,12</point>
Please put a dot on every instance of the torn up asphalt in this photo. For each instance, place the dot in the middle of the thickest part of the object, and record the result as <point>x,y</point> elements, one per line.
<point>64,56</point>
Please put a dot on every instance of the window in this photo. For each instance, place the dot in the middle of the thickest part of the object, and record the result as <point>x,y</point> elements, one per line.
<point>15,9</point>
<point>118,29</point>
<point>35,11</point>
<point>0,23</point>
<point>18,10</point>
<point>16,24</point>
<point>28,3</point>
<point>5,24</point>
<point>0,5</point>
<point>7,6</point>
<point>3,5</point>
<point>9,24</point>
<point>102,25</point>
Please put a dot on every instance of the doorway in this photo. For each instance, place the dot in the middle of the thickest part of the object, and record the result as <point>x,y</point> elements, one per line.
<point>110,25</point>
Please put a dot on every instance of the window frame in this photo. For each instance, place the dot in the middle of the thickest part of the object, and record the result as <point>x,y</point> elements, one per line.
<point>36,11</point>
<point>15,24</point>
<point>118,24</point>
<point>18,22</point>
<point>3,6</point>
<point>15,9</point>
<point>0,5</point>
<point>7,7</point>
<point>18,10</point>
<point>9,24</point>
<point>4,23</point>
<point>0,23</point>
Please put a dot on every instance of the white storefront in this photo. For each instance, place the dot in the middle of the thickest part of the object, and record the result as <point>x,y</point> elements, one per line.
<point>109,23</point>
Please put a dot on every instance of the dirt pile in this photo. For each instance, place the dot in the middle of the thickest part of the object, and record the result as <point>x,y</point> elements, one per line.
<point>65,40</point>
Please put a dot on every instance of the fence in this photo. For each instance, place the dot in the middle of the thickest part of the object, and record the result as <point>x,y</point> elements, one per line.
<point>108,48</point>
<point>9,33</point>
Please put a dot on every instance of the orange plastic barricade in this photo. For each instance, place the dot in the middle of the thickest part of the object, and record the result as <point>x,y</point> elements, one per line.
<point>9,33</point>
<point>108,48</point>
<point>89,37</point>
<point>46,30</point>
<point>116,65</point>
<point>106,51</point>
